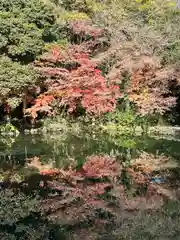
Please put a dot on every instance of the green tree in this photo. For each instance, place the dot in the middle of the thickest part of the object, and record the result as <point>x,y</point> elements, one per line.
<point>15,81</point>
<point>24,28</point>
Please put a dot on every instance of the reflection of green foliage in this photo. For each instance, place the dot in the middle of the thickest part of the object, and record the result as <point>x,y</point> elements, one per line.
<point>162,224</point>
<point>171,53</point>
<point>61,124</point>
<point>118,123</point>
<point>8,128</point>
<point>20,218</point>
<point>13,207</point>
<point>69,148</point>
<point>114,130</point>
<point>7,142</point>
<point>14,150</point>
<point>17,174</point>
<point>73,149</point>
<point>124,142</point>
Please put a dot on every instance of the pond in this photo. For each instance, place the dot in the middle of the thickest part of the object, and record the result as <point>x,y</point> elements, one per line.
<point>58,208</point>
<point>59,149</point>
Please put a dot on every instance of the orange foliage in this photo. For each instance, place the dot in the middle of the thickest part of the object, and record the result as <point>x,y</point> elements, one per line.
<point>149,89</point>
<point>79,193</point>
<point>72,81</point>
<point>41,104</point>
<point>101,166</point>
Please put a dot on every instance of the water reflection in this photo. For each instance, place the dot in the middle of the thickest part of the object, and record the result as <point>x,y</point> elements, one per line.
<point>143,177</point>
<point>62,150</point>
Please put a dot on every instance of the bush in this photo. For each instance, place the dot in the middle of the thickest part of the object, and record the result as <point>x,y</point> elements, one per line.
<point>15,81</point>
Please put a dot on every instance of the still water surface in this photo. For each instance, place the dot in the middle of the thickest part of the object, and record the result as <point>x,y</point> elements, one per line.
<point>60,149</point>
<point>63,150</point>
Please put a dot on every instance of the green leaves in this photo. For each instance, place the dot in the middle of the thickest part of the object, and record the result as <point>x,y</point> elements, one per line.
<point>15,79</point>
<point>34,11</point>
<point>23,27</point>
<point>15,207</point>
<point>18,38</point>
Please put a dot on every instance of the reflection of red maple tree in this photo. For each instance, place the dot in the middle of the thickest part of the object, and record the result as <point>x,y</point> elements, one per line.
<point>83,190</point>
<point>101,166</point>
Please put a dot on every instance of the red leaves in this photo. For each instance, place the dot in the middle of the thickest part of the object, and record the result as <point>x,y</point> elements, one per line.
<point>90,192</point>
<point>7,108</point>
<point>71,78</point>
<point>43,100</point>
<point>77,83</point>
<point>101,166</point>
<point>41,104</point>
<point>137,176</point>
<point>149,89</point>
<point>51,172</point>
<point>95,188</point>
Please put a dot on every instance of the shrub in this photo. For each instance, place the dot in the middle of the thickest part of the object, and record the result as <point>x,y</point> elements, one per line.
<point>123,118</point>
<point>15,81</point>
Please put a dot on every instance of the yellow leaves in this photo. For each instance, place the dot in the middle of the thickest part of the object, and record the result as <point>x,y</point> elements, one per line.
<point>145,92</point>
<point>59,93</point>
<point>151,21</point>
<point>171,3</point>
<point>91,6</point>
<point>73,15</point>
<point>145,5</point>
<point>62,43</point>
<point>94,6</point>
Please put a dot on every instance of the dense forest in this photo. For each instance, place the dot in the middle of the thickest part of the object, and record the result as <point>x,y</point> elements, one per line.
<point>111,61</point>
<point>81,82</point>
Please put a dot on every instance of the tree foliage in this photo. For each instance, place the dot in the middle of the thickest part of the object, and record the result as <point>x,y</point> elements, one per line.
<point>150,89</point>
<point>23,27</point>
<point>71,79</point>
<point>73,82</point>
<point>88,6</point>
<point>15,81</point>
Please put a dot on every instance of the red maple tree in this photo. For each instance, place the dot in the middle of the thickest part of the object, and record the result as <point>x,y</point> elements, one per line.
<point>72,81</point>
<point>150,89</point>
